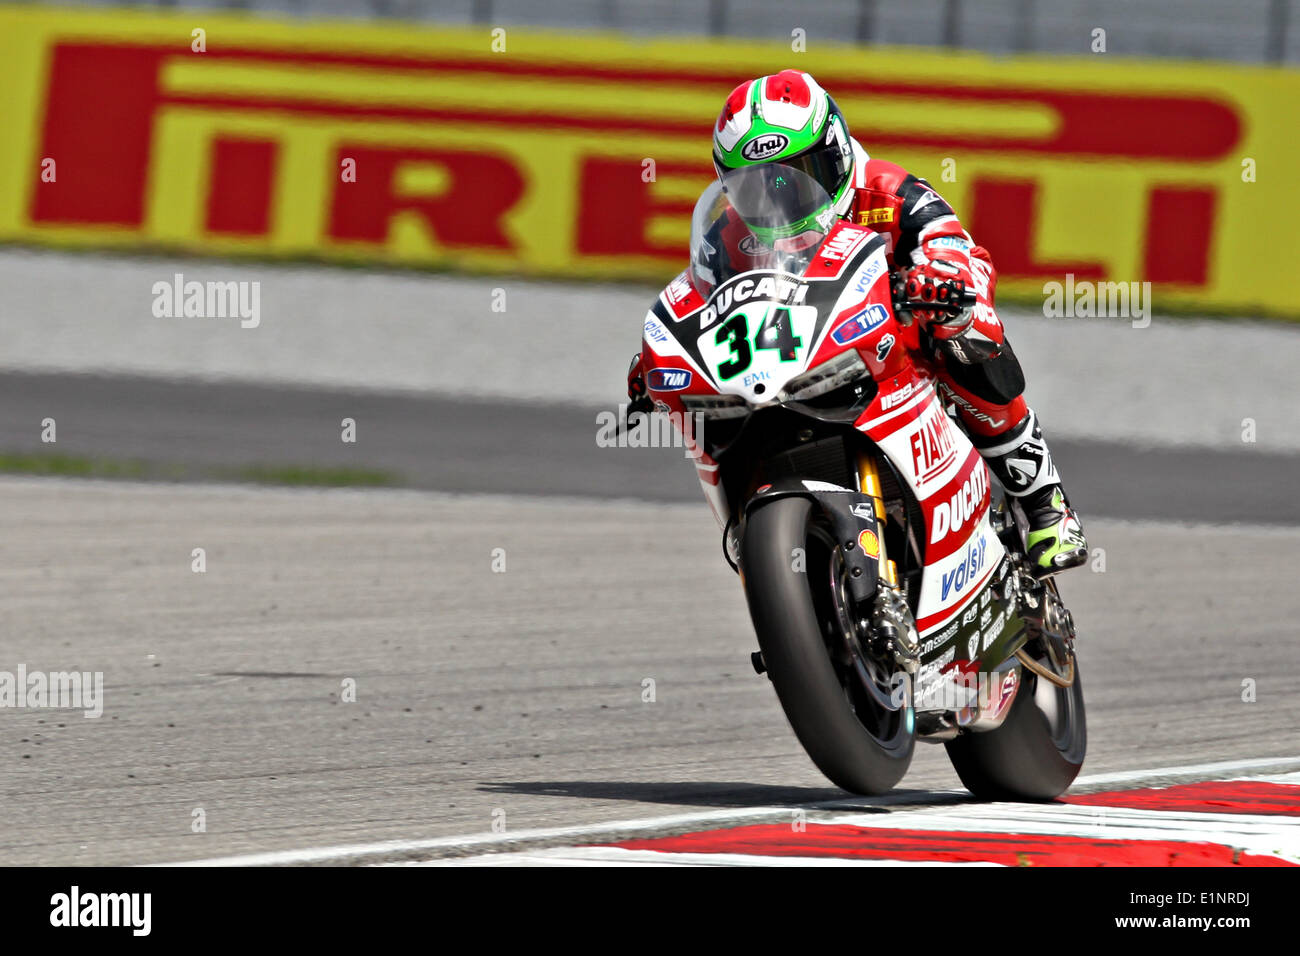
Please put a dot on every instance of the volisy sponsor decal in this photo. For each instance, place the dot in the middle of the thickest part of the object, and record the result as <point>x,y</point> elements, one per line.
<point>955,581</point>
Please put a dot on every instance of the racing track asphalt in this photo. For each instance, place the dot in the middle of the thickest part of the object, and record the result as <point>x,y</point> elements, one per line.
<point>427,441</point>
<point>516,692</point>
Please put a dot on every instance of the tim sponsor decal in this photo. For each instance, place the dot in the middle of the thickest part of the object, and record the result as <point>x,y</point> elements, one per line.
<point>678,291</point>
<point>668,379</point>
<point>858,325</point>
<point>964,505</point>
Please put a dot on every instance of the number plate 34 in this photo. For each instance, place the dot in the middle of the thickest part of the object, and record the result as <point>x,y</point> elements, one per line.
<point>758,348</point>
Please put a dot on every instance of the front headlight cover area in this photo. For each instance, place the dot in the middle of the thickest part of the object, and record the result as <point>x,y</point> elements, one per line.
<point>826,377</point>
<point>835,390</point>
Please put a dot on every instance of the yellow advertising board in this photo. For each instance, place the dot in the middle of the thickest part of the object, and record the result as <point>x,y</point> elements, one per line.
<point>580,155</point>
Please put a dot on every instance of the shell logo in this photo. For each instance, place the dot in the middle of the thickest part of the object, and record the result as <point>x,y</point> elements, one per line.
<point>869,543</point>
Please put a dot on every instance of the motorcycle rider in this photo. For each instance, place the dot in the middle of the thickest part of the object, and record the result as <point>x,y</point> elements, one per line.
<point>788,118</point>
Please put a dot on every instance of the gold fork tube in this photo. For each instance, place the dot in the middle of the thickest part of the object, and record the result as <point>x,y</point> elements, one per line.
<point>869,484</point>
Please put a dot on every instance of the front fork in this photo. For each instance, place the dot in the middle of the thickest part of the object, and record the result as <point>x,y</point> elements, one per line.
<point>892,629</point>
<point>869,484</point>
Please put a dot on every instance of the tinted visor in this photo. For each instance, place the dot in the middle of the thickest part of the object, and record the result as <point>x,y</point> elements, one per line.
<point>826,164</point>
<point>773,195</point>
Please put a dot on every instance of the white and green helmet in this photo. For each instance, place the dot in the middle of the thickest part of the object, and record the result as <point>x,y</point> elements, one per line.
<point>788,119</point>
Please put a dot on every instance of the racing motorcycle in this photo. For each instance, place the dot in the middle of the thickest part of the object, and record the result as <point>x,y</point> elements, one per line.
<point>889,591</point>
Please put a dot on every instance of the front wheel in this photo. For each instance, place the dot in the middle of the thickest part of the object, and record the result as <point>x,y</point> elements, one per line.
<point>850,711</point>
<point>1036,752</point>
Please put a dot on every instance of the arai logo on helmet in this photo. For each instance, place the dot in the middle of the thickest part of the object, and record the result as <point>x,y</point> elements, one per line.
<point>764,147</point>
<point>751,246</point>
<point>668,379</point>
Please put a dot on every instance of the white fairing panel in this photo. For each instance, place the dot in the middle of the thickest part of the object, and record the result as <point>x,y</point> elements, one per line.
<point>931,454</point>
<point>768,371</point>
<point>951,582</point>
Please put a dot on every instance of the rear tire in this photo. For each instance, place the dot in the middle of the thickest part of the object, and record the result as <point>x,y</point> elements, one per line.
<point>790,633</point>
<point>1037,751</point>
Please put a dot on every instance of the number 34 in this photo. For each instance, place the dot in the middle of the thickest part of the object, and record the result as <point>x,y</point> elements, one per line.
<point>776,332</point>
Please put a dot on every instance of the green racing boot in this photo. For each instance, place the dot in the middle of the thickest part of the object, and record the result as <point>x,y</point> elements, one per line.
<point>1055,540</point>
<point>1020,460</point>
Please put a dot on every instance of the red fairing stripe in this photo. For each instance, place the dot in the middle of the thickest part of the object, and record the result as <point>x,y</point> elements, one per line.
<point>1218,796</point>
<point>680,297</point>
<point>950,846</point>
<point>896,418</point>
<point>829,262</point>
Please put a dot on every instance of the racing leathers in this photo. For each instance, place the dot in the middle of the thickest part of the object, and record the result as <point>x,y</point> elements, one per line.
<point>932,255</point>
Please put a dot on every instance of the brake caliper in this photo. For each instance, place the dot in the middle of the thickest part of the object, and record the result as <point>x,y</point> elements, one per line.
<point>894,631</point>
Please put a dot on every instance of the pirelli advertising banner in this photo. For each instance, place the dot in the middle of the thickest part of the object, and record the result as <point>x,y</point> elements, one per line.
<point>567,155</point>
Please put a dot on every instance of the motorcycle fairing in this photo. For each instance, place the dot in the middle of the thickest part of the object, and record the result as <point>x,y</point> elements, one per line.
<point>683,329</point>
<point>944,471</point>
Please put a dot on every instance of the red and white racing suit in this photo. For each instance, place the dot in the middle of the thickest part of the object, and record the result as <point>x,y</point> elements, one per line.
<point>972,360</point>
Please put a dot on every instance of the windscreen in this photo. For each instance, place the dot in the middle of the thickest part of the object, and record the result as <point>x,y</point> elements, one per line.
<point>760,217</point>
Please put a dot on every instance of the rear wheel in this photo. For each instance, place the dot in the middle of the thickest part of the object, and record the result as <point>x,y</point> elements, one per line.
<point>849,708</point>
<point>1037,751</point>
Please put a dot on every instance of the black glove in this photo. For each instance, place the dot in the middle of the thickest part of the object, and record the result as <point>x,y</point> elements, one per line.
<point>940,302</point>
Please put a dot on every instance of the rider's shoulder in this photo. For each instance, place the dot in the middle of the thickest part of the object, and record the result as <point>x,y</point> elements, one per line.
<point>880,175</point>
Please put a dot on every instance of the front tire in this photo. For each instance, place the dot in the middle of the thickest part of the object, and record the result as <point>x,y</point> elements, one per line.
<point>851,740</point>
